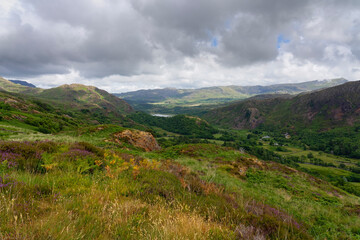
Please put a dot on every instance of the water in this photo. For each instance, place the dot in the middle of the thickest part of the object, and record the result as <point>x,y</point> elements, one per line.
<point>162,115</point>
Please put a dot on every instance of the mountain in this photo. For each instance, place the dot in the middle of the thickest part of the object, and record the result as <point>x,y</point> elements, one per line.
<point>24,83</point>
<point>88,100</point>
<point>75,99</point>
<point>81,96</point>
<point>31,114</point>
<point>9,86</point>
<point>335,106</point>
<point>152,100</point>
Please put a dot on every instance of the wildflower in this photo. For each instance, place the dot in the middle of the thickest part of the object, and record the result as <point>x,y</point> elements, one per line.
<point>136,171</point>
<point>108,172</point>
<point>98,162</point>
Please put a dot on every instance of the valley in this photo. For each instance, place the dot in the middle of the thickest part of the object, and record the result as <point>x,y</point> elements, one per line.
<point>79,163</point>
<point>190,101</point>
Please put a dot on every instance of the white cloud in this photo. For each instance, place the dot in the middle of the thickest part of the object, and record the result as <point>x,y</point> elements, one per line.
<point>128,45</point>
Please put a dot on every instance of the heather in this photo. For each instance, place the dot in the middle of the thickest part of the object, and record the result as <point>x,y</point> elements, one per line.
<point>82,191</point>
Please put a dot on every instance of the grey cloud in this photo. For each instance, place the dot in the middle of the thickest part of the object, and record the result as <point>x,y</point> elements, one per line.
<point>248,42</point>
<point>252,39</point>
<point>114,40</point>
<point>27,50</point>
<point>109,37</point>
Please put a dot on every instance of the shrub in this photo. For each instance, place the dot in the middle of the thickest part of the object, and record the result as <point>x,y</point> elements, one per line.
<point>76,154</point>
<point>26,155</point>
<point>89,148</point>
<point>47,146</point>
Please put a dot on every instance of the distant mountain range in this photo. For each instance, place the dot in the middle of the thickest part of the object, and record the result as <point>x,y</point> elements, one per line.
<point>335,106</point>
<point>160,100</point>
<point>24,83</point>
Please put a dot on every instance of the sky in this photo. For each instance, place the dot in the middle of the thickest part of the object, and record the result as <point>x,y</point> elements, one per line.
<point>126,45</point>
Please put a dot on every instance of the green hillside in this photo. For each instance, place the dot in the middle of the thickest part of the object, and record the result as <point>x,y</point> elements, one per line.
<point>336,106</point>
<point>325,120</point>
<point>103,190</point>
<point>76,100</point>
<point>30,114</point>
<point>8,86</point>
<point>87,100</point>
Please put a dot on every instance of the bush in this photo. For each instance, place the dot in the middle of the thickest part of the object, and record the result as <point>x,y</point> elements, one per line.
<point>26,155</point>
<point>88,147</point>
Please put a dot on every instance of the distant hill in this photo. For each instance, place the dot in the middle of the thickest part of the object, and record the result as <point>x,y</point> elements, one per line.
<point>9,86</point>
<point>85,98</point>
<point>75,99</point>
<point>154,99</point>
<point>29,113</point>
<point>24,83</point>
<point>335,106</point>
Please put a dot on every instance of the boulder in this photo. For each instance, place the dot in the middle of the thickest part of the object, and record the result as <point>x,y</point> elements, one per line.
<point>141,139</point>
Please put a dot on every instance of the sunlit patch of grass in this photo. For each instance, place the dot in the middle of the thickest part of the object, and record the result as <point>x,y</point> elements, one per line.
<point>295,193</point>
<point>69,211</point>
<point>40,137</point>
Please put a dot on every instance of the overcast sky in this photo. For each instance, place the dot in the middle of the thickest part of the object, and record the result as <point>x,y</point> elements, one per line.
<point>125,45</point>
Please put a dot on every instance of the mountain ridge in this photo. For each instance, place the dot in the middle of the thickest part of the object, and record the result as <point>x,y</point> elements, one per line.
<point>23,83</point>
<point>163,100</point>
<point>334,105</point>
<point>82,99</point>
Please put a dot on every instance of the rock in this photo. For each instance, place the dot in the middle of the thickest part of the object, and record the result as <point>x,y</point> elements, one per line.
<point>139,139</point>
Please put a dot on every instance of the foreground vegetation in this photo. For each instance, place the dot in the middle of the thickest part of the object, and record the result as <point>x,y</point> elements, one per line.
<point>77,190</point>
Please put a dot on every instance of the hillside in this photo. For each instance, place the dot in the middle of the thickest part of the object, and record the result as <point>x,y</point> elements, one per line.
<point>87,183</point>
<point>333,106</point>
<point>325,120</point>
<point>9,86</point>
<point>32,115</point>
<point>89,102</point>
<point>163,100</point>
<point>85,98</point>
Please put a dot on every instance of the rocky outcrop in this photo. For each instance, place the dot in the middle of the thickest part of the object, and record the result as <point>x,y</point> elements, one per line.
<point>139,139</point>
<point>251,120</point>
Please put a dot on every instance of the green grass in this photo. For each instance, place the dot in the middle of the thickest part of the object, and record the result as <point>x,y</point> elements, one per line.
<point>326,171</point>
<point>199,191</point>
<point>294,193</point>
<point>327,158</point>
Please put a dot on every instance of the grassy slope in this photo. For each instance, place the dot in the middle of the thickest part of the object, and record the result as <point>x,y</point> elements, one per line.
<point>336,106</point>
<point>187,191</point>
<point>11,87</point>
<point>83,101</point>
<point>30,114</point>
<point>84,97</point>
<point>17,88</point>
